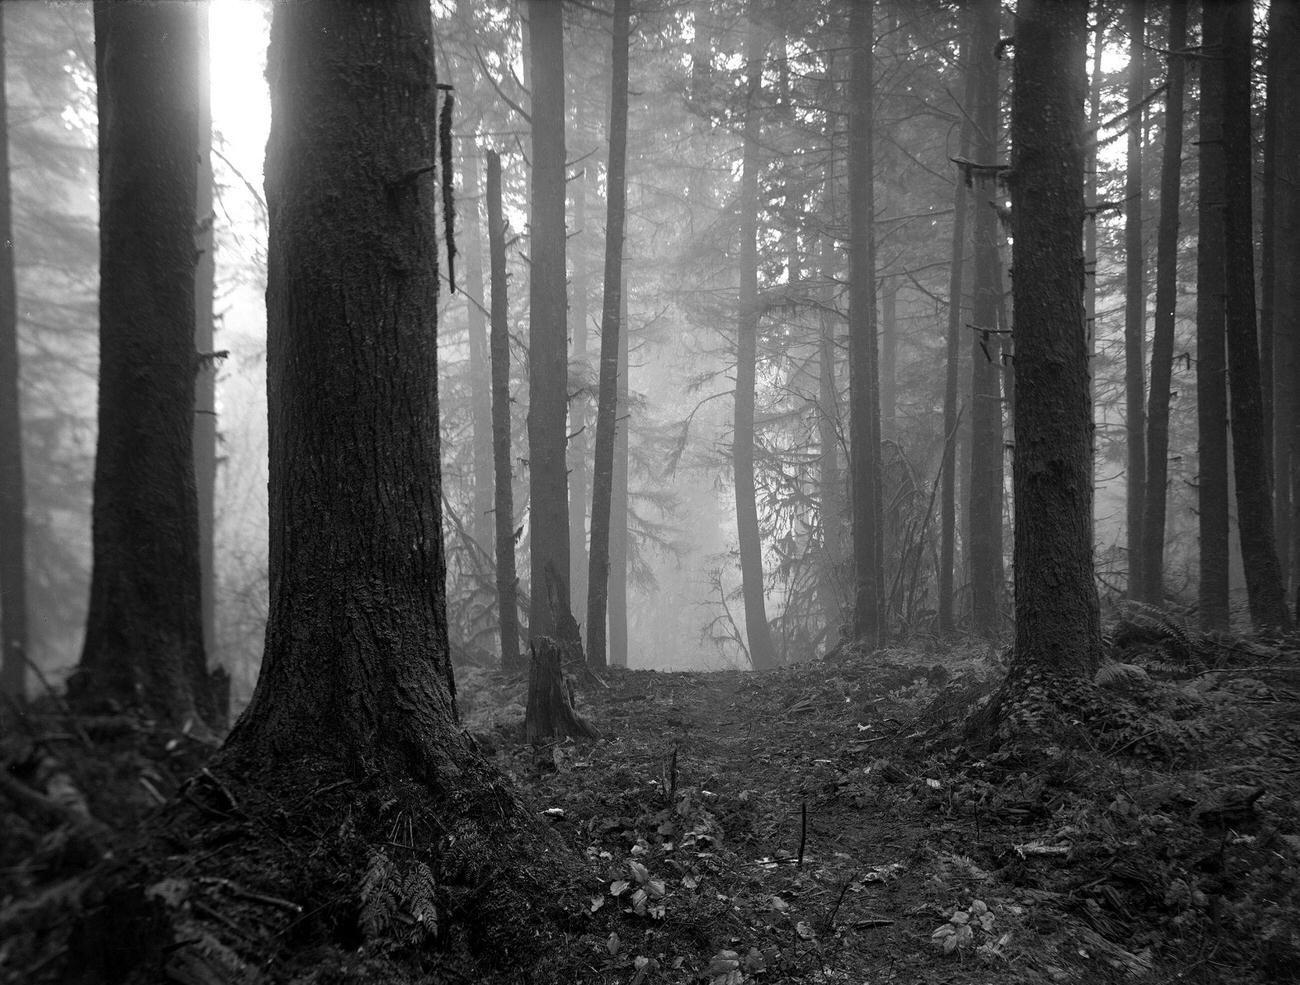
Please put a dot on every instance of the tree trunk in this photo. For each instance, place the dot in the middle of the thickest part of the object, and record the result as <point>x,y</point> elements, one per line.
<point>761,653</point>
<point>1057,614</point>
<point>951,411</point>
<point>1135,300</point>
<point>618,509</point>
<point>1250,470</point>
<point>1152,589</point>
<point>205,381</point>
<point>13,494</point>
<point>480,372</point>
<point>1284,98</point>
<point>1211,360</point>
<point>357,669</point>
<point>504,499</point>
<point>829,478</point>
<point>984,529</point>
<point>602,489</point>
<point>1090,223</point>
<point>864,391</point>
<point>550,613</point>
<point>144,631</point>
<point>550,712</point>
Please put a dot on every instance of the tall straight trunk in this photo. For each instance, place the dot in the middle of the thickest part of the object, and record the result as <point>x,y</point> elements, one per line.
<point>13,495</point>
<point>602,488</point>
<point>984,512</point>
<point>952,381</point>
<point>1162,342</point>
<point>1090,222</point>
<point>619,515</point>
<point>864,390</point>
<point>548,340</point>
<point>1135,300</point>
<point>1284,101</point>
<point>480,373</point>
<point>503,479</point>
<point>762,655</point>
<point>889,362</point>
<point>205,380</point>
<point>580,417</point>
<point>1058,626</point>
<point>1267,262</point>
<point>144,629</point>
<point>1211,360</point>
<point>1250,470</point>
<point>829,477</point>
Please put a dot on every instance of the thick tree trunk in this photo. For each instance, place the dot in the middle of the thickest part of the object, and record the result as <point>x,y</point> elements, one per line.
<point>1284,99</point>
<point>144,631</point>
<point>1250,468</point>
<point>550,613</point>
<point>13,494</point>
<point>357,669</point>
<point>1057,614</point>
<point>984,513</point>
<point>761,653</point>
<point>1135,300</point>
<point>1162,342</point>
<point>602,489</point>
<point>864,391</point>
<point>1211,360</point>
<point>951,411</point>
<point>503,481</point>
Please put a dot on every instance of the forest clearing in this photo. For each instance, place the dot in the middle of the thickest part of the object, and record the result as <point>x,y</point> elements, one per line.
<point>718,491</point>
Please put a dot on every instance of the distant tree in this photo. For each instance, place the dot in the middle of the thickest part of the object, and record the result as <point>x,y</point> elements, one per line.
<point>1135,298</point>
<point>1151,568</point>
<point>762,654</point>
<point>864,390</point>
<point>1057,614</point>
<point>477,324</point>
<point>984,512</point>
<point>13,492</point>
<point>611,312</point>
<point>1211,359</point>
<point>1250,467</point>
<point>951,392</point>
<point>550,613</point>
<point>144,633</point>
<point>503,500</point>
<point>581,420</point>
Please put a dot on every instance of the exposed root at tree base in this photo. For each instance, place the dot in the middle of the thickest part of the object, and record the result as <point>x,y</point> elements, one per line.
<point>306,876</point>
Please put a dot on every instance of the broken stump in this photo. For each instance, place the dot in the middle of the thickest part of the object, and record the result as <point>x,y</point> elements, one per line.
<point>550,710</point>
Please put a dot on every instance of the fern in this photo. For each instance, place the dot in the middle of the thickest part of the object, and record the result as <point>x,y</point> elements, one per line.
<point>418,890</point>
<point>381,894</point>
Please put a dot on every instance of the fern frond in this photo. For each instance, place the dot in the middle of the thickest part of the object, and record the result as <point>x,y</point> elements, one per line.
<point>381,894</point>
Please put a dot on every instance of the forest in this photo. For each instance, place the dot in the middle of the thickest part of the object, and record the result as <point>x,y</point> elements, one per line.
<point>645,491</point>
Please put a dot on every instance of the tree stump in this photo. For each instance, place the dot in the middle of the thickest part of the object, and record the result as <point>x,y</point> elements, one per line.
<point>550,710</point>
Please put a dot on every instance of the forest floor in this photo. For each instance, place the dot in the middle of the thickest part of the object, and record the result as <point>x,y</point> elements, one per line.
<point>824,823</point>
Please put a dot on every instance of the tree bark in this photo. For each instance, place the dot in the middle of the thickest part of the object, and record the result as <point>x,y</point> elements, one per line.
<point>1211,359</point>
<point>13,492</point>
<point>503,478</point>
<point>864,390</point>
<point>762,655</point>
<point>1152,565</point>
<point>1250,468</point>
<point>550,713</point>
<point>480,371</point>
<point>357,669</point>
<point>829,478</point>
<point>618,512</point>
<point>951,411</point>
<point>984,511</point>
<point>1057,613</point>
<point>550,613</point>
<point>1135,300</point>
<point>144,631</point>
<point>1284,99</point>
<point>602,489</point>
